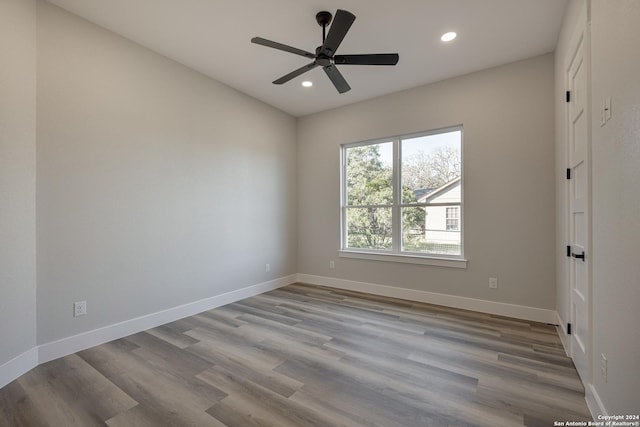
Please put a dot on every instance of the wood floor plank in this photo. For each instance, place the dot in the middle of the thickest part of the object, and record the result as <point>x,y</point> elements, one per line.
<point>167,357</point>
<point>251,401</point>
<point>262,375</point>
<point>17,409</point>
<point>310,356</point>
<point>152,386</point>
<point>172,335</point>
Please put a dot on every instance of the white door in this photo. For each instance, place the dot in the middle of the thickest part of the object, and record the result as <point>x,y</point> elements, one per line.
<point>579,225</point>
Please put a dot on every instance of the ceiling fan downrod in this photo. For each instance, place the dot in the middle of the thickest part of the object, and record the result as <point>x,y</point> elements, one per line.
<point>324,18</point>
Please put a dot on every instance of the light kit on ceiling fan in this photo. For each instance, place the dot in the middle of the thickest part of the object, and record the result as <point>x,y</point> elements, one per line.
<point>325,56</point>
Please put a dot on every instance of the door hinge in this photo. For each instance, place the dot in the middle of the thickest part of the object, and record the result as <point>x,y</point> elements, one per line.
<point>568,328</point>
<point>568,173</point>
<point>568,250</point>
<point>568,96</point>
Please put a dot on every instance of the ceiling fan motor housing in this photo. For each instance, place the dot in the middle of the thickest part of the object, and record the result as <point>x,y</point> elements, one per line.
<point>322,59</point>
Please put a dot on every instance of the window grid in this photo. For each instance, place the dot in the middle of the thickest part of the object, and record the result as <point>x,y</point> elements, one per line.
<point>453,219</point>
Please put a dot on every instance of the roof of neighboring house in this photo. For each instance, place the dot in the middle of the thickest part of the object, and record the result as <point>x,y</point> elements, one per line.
<point>427,197</point>
<point>421,192</point>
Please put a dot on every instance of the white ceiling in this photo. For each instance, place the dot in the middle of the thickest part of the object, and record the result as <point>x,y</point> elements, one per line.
<point>213,37</point>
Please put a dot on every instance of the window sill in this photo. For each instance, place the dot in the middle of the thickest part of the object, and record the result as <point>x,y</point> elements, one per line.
<point>407,259</point>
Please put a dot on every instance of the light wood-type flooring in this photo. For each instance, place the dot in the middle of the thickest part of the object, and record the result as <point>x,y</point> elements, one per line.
<point>310,356</point>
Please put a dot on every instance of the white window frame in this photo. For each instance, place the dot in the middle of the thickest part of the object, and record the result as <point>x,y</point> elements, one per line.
<point>396,254</point>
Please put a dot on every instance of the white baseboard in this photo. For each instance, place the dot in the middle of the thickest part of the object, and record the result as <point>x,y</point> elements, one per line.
<point>483,306</point>
<point>594,403</point>
<point>18,366</point>
<point>75,343</point>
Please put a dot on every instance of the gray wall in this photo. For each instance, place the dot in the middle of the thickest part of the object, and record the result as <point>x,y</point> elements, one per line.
<point>508,119</point>
<point>17,178</point>
<point>616,202</point>
<point>157,186</point>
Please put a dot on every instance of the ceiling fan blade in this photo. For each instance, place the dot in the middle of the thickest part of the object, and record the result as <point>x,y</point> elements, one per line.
<point>336,78</point>
<point>295,73</point>
<point>372,59</point>
<point>341,24</point>
<point>280,46</point>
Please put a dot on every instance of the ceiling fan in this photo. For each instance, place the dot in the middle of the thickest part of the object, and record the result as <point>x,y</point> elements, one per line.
<point>325,56</point>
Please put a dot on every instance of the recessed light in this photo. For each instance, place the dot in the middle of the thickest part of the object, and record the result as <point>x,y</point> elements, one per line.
<point>447,37</point>
<point>307,83</point>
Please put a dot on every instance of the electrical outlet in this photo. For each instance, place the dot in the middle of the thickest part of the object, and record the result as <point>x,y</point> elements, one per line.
<point>267,267</point>
<point>493,282</point>
<point>603,366</point>
<point>332,264</point>
<point>79,308</point>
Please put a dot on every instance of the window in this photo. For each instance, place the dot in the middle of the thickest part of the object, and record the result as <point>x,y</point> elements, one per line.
<point>403,196</point>
<point>453,219</point>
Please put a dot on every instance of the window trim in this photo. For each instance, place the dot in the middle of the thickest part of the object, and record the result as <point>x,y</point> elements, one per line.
<point>405,257</point>
<point>395,254</point>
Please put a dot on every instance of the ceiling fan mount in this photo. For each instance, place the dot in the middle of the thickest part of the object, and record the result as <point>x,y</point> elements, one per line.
<point>324,18</point>
<point>325,56</point>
